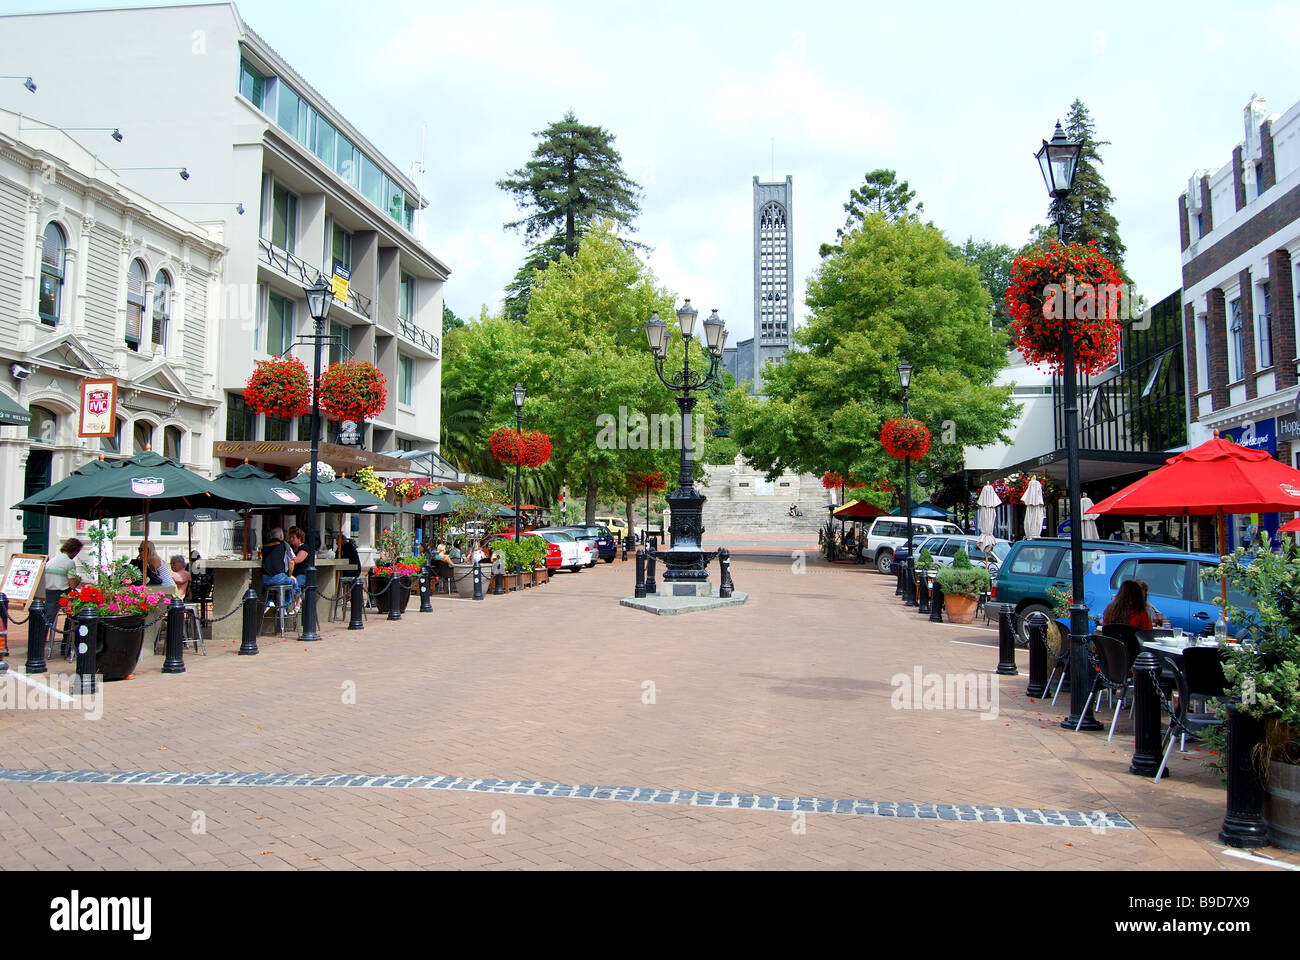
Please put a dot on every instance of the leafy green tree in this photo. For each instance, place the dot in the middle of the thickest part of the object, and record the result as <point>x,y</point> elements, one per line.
<point>881,192</point>
<point>993,261</point>
<point>574,179</point>
<point>892,290</point>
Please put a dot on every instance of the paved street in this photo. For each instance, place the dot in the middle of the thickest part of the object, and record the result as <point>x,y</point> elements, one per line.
<point>556,729</point>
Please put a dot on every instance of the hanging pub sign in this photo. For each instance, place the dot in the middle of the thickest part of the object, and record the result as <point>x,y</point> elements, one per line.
<point>98,409</point>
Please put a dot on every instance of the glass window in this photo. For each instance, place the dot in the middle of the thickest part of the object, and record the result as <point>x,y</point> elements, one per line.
<point>372,181</point>
<point>406,298</point>
<point>44,427</point>
<point>1235,335</point>
<point>1212,589</point>
<point>304,428</point>
<point>951,547</point>
<point>396,201</point>
<point>324,138</point>
<point>345,160</point>
<point>112,444</point>
<point>135,278</point>
<point>1265,325</point>
<point>241,421</point>
<point>287,113</point>
<point>405,380</point>
<point>279,324</point>
<point>252,84</point>
<point>340,336</point>
<point>172,443</point>
<point>1163,577</point>
<point>162,307</point>
<point>277,428</point>
<point>142,436</point>
<point>284,218</point>
<point>1036,561</point>
<point>342,249</point>
<point>54,247</point>
<point>408,219</point>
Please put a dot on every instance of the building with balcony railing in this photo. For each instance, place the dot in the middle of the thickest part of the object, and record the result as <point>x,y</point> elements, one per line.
<point>1239,228</point>
<point>293,189</point>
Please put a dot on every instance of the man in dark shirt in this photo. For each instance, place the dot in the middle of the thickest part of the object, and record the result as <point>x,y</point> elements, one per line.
<point>276,564</point>
<point>348,552</point>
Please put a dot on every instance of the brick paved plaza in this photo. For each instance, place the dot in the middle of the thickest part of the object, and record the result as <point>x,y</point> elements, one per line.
<point>758,713</point>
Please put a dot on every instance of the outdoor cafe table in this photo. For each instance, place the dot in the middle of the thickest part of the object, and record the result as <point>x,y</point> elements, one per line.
<point>231,579</point>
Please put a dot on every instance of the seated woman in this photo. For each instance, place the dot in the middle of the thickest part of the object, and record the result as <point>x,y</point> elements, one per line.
<point>1128,609</point>
<point>181,576</point>
<point>1158,619</point>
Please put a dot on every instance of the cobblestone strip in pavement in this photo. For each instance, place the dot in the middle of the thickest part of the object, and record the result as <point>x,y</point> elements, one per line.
<point>536,788</point>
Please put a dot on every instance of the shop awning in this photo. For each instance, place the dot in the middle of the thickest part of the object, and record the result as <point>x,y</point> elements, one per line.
<point>294,453</point>
<point>13,414</point>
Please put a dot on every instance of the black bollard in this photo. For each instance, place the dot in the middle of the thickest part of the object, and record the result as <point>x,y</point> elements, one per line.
<point>175,659</point>
<point>639,592</point>
<point>923,591</point>
<point>936,603</point>
<point>4,640</point>
<point>650,585</point>
<point>37,631</point>
<point>909,587</point>
<point>1036,628</point>
<point>86,636</point>
<point>394,598</point>
<point>478,581</point>
<point>1244,824</point>
<point>1146,714</point>
<point>248,640</point>
<point>498,579</point>
<point>357,605</point>
<point>426,592</point>
<point>1080,686</point>
<point>725,586</point>
<point>898,575</point>
<point>1006,645</point>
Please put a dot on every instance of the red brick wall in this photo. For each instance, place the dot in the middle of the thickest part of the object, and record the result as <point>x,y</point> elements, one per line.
<point>1207,210</point>
<point>1276,216</point>
<point>1217,362</point>
<point>1184,228</point>
<point>1268,169</point>
<point>1189,341</point>
<point>1248,331</point>
<point>1238,179</point>
<point>1283,298</point>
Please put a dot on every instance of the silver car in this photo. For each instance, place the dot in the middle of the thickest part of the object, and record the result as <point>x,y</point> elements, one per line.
<point>944,549</point>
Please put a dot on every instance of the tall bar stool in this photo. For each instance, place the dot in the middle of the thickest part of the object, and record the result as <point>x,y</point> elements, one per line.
<point>277,597</point>
<point>343,594</point>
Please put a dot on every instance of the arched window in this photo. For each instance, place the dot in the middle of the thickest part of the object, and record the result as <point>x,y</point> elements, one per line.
<point>143,436</point>
<point>44,427</point>
<point>172,443</point>
<point>135,277</point>
<point>54,247</point>
<point>112,444</point>
<point>162,307</point>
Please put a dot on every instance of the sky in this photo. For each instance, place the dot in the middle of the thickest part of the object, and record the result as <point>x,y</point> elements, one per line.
<point>701,97</point>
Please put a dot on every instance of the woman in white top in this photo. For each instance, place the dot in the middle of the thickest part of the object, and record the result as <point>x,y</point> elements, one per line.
<point>60,567</point>
<point>160,571</point>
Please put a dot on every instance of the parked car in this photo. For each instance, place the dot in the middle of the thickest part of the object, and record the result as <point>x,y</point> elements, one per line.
<point>886,533</point>
<point>599,537</point>
<point>618,527</point>
<point>1031,566</point>
<point>944,549</point>
<point>1176,588</point>
<point>575,555</point>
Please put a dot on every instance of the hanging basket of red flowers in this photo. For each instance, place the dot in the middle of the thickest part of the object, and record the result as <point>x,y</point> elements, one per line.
<point>353,390</point>
<point>279,387</point>
<point>883,486</point>
<point>536,449</point>
<point>647,481</point>
<point>905,437</point>
<point>531,449</point>
<point>831,480</point>
<point>1061,291</point>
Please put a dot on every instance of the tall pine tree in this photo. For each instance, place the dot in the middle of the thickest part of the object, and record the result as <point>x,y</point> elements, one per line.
<point>574,179</point>
<point>1089,217</point>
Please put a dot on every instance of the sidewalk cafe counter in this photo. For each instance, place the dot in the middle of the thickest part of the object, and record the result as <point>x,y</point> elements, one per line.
<point>231,579</point>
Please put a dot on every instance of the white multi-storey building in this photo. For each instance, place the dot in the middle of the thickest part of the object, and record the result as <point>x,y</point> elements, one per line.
<point>96,281</point>
<point>294,188</point>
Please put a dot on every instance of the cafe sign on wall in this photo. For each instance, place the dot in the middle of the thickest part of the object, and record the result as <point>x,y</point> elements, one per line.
<point>98,409</point>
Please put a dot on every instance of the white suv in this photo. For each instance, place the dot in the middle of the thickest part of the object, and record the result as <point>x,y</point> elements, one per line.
<point>886,533</point>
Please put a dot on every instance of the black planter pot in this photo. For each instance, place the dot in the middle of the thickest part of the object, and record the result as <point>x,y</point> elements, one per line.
<point>384,594</point>
<point>121,640</point>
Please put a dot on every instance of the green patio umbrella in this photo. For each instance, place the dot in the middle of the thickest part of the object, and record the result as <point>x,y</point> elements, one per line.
<point>433,504</point>
<point>338,496</point>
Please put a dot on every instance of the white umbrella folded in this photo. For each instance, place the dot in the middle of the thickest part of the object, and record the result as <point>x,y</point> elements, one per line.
<point>1035,510</point>
<point>1089,525</point>
<point>987,517</point>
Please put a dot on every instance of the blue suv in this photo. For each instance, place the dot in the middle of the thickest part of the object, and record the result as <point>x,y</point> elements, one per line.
<point>1176,588</point>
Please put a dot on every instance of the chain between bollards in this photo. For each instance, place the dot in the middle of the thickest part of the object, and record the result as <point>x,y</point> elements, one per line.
<point>248,639</point>
<point>175,660</point>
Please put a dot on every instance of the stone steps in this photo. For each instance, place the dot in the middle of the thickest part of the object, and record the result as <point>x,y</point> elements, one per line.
<point>762,516</point>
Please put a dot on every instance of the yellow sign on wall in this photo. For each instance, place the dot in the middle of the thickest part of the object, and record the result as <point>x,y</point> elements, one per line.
<point>342,278</point>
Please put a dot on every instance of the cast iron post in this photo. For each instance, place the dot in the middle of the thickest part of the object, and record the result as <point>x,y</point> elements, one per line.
<point>248,639</point>
<point>174,662</point>
<point>37,631</point>
<point>1006,645</point>
<point>1146,715</point>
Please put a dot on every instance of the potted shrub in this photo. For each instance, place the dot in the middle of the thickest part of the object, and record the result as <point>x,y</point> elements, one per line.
<point>521,555</point>
<point>962,584</point>
<point>396,564</point>
<point>1264,676</point>
<point>123,606</point>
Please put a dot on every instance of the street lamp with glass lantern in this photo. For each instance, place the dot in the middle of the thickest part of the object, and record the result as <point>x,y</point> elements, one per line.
<point>1058,161</point>
<point>685,561</point>
<point>319,297</point>
<point>519,394</point>
<point>909,577</point>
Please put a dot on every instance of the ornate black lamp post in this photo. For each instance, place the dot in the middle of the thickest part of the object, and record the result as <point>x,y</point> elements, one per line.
<point>685,559</point>
<point>909,579</point>
<point>519,393</point>
<point>319,297</point>
<point>1058,159</point>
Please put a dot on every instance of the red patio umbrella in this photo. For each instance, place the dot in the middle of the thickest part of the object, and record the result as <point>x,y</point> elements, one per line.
<point>1217,478</point>
<point>1292,527</point>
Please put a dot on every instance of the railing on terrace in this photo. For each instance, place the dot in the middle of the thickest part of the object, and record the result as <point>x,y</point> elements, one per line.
<point>303,272</point>
<point>420,336</point>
